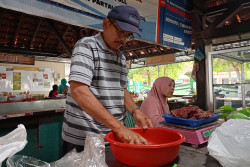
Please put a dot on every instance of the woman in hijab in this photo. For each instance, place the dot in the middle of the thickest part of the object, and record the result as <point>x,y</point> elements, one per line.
<point>63,88</point>
<point>155,105</point>
<point>54,91</point>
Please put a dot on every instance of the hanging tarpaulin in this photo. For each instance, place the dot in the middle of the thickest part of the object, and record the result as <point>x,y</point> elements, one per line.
<point>87,13</point>
<point>175,23</point>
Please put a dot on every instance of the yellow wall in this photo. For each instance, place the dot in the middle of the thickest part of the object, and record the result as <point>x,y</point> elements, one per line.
<point>58,68</point>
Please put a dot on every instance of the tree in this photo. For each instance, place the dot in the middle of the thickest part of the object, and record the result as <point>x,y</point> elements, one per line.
<point>223,65</point>
<point>247,70</point>
<point>173,71</point>
<point>146,72</point>
<point>135,71</point>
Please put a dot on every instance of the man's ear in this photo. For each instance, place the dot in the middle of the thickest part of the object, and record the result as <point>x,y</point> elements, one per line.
<point>105,24</point>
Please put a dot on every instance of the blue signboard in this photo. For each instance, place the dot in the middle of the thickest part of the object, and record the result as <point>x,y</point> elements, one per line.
<point>175,23</point>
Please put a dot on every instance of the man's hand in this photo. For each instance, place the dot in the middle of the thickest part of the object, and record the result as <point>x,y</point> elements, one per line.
<point>128,136</point>
<point>141,119</point>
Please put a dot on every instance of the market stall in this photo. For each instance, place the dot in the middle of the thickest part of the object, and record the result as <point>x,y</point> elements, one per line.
<point>47,31</point>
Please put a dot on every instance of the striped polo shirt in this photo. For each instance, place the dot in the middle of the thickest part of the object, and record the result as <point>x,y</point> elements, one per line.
<point>95,65</point>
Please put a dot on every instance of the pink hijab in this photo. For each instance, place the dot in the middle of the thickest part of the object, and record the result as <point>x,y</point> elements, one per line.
<point>155,105</point>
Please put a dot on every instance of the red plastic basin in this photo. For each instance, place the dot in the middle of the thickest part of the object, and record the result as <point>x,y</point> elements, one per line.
<point>163,148</point>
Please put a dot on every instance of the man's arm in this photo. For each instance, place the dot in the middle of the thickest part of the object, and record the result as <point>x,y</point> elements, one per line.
<point>140,118</point>
<point>89,103</point>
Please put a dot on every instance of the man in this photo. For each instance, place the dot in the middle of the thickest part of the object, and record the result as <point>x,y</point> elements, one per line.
<point>98,84</point>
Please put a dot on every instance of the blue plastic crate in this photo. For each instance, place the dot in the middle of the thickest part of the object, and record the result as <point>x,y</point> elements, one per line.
<point>189,122</point>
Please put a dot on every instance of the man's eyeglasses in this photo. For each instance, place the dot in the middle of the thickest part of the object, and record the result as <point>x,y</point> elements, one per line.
<point>128,37</point>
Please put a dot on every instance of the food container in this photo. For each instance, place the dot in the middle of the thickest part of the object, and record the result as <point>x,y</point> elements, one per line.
<point>163,148</point>
<point>169,118</point>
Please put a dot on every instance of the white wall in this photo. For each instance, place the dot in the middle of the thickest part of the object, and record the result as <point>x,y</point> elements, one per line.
<point>58,68</point>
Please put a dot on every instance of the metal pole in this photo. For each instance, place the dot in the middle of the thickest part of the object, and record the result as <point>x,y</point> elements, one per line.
<point>209,76</point>
<point>243,89</point>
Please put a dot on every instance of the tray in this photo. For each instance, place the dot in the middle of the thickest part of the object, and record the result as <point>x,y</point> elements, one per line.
<point>189,122</point>
<point>190,128</point>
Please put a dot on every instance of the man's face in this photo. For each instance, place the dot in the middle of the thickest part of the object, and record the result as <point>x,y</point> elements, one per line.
<point>116,37</point>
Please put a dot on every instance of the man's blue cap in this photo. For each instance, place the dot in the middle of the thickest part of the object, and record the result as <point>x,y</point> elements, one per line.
<point>126,17</point>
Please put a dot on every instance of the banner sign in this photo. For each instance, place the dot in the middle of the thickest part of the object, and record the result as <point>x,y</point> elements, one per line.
<point>26,68</point>
<point>17,59</point>
<point>175,23</point>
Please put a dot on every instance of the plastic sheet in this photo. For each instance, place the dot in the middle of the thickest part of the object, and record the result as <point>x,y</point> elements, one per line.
<point>13,142</point>
<point>24,161</point>
<point>92,156</point>
<point>230,143</point>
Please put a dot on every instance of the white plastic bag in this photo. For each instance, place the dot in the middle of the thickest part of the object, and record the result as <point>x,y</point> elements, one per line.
<point>13,142</point>
<point>230,143</point>
<point>24,161</point>
<point>92,156</point>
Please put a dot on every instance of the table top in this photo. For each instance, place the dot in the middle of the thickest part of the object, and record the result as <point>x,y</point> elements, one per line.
<point>189,156</point>
<point>31,106</point>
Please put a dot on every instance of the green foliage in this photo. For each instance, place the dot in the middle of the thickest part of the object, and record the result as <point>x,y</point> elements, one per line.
<point>153,72</point>
<point>173,71</point>
<point>222,65</point>
<point>145,72</point>
<point>224,115</point>
<point>227,108</point>
<point>245,111</point>
<point>136,71</point>
<point>230,112</point>
<point>226,111</point>
<point>247,70</point>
